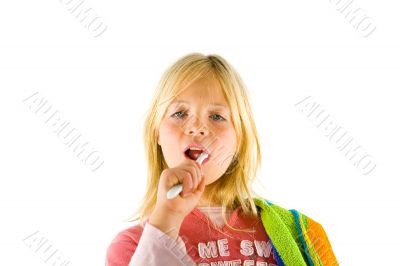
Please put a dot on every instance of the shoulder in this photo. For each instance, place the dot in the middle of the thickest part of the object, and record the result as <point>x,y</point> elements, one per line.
<point>123,245</point>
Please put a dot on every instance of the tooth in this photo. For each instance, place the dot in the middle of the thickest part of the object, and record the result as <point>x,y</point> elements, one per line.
<point>194,148</point>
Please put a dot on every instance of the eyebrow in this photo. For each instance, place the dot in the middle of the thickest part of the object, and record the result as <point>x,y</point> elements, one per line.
<point>213,104</point>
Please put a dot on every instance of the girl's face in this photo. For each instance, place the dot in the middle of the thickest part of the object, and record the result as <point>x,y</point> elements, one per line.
<point>199,115</point>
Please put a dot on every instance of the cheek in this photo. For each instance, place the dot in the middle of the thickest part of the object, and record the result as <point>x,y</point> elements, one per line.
<point>228,138</point>
<point>225,149</point>
<point>169,141</point>
<point>168,132</point>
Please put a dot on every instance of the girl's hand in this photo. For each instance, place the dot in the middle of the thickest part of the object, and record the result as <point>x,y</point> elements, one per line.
<point>189,174</point>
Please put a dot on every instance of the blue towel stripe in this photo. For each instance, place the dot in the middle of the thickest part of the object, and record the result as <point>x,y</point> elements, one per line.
<point>277,257</point>
<point>303,242</point>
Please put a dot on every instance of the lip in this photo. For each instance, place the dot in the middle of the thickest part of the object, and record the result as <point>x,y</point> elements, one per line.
<point>197,145</point>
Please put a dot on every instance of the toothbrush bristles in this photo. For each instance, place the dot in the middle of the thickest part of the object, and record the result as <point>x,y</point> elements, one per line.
<point>202,157</point>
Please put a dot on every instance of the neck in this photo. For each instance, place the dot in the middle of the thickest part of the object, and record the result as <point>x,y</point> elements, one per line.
<point>207,204</point>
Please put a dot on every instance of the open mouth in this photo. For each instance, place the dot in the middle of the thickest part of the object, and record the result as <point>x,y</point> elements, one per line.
<point>194,153</point>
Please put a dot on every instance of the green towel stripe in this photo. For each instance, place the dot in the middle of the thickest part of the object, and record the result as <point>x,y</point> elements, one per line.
<point>280,235</point>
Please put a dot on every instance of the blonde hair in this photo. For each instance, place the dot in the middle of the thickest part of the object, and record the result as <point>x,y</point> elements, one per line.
<point>233,188</point>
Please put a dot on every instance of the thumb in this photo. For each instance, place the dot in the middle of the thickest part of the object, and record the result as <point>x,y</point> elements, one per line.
<point>200,187</point>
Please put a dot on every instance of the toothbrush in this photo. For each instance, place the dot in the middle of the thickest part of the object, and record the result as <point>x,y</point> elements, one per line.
<point>175,190</point>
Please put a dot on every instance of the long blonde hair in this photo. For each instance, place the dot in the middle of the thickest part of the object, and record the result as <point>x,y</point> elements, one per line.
<point>233,188</point>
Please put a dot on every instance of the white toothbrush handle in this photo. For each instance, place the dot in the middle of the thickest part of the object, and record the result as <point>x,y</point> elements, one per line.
<point>175,190</point>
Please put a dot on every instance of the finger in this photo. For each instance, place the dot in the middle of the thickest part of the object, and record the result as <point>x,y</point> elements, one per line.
<point>201,187</point>
<point>193,173</point>
<point>196,175</point>
<point>198,171</point>
<point>185,178</point>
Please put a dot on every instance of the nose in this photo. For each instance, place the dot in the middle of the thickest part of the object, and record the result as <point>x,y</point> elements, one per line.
<point>194,127</point>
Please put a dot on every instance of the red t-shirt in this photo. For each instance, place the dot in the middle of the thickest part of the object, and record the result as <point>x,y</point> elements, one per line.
<point>199,241</point>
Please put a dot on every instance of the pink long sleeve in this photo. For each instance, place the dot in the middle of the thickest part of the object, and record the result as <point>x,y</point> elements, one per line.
<point>154,248</point>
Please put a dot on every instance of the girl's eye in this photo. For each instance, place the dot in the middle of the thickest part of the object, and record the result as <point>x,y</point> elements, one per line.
<point>179,116</point>
<point>219,117</point>
<point>182,114</point>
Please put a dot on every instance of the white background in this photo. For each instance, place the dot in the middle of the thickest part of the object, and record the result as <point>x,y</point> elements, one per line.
<point>284,51</point>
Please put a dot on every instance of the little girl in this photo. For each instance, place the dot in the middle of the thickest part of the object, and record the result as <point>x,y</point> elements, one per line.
<point>201,106</point>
